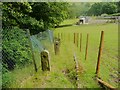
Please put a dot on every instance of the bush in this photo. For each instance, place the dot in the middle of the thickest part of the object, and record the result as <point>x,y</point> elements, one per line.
<point>15,52</point>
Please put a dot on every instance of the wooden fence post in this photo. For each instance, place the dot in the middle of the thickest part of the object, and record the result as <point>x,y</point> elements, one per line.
<point>57,46</point>
<point>74,38</point>
<point>80,41</point>
<point>33,57</point>
<point>77,36</point>
<point>99,53</point>
<point>110,87</point>
<point>86,47</point>
<point>45,60</point>
<point>77,39</point>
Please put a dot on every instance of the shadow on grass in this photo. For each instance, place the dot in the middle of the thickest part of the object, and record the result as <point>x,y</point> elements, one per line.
<point>63,26</point>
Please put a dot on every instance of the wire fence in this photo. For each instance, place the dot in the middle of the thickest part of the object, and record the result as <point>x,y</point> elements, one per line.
<point>109,57</point>
<point>41,41</point>
<point>17,56</point>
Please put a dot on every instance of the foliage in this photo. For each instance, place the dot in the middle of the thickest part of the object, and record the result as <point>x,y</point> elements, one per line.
<point>96,9</point>
<point>34,16</point>
<point>78,9</point>
<point>118,6</point>
<point>17,14</point>
<point>13,11</point>
<point>103,7</point>
<point>16,51</point>
<point>16,18</point>
<point>92,8</point>
<point>52,13</point>
<point>109,8</point>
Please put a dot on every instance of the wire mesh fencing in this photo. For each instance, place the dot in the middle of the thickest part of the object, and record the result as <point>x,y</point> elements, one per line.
<point>16,56</point>
<point>41,41</point>
<point>17,61</point>
<point>109,62</point>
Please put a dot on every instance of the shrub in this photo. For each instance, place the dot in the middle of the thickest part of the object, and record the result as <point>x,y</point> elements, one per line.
<point>15,52</point>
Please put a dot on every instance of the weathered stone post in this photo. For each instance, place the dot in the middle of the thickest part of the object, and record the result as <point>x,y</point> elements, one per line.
<point>45,60</point>
<point>57,46</point>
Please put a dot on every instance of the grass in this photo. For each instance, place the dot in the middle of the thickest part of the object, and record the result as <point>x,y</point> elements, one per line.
<point>69,21</point>
<point>109,59</point>
<point>63,65</point>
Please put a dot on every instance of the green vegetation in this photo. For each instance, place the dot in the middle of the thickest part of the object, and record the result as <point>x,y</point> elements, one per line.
<point>18,70</point>
<point>34,16</point>
<point>79,9</point>
<point>103,8</point>
<point>93,8</point>
<point>109,60</point>
<point>17,17</point>
<point>16,52</point>
<point>62,74</point>
<point>69,22</point>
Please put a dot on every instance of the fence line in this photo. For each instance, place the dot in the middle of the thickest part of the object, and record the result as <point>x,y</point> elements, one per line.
<point>100,52</point>
<point>75,39</point>
<point>33,57</point>
<point>86,53</point>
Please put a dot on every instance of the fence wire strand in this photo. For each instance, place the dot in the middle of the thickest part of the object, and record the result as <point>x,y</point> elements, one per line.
<point>17,55</point>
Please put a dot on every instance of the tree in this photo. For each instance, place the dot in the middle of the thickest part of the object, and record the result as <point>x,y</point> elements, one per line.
<point>34,16</point>
<point>109,8</point>
<point>15,19</point>
<point>103,7</point>
<point>18,14</point>
<point>118,6</point>
<point>96,9</point>
<point>52,13</point>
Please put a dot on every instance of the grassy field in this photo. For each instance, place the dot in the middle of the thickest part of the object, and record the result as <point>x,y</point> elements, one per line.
<point>62,74</point>
<point>109,59</point>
